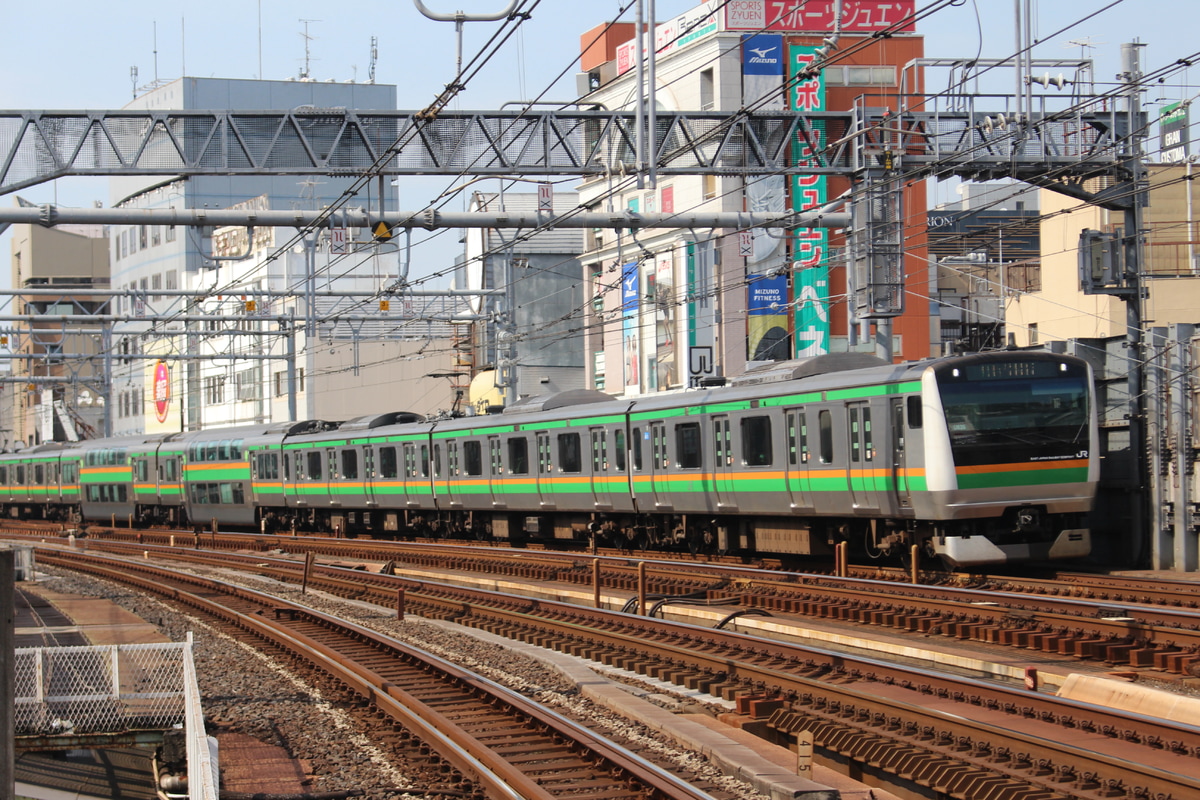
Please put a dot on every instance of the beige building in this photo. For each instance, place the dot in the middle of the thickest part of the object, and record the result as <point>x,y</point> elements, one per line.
<point>62,395</point>
<point>1060,310</point>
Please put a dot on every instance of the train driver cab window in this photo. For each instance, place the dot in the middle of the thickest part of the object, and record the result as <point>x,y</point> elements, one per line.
<point>915,412</point>
<point>636,445</point>
<point>756,441</point>
<point>518,455</point>
<point>570,459</point>
<point>825,431</point>
<point>387,462</point>
<point>350,464</point>
<point>314,465</point>
<point>687,445</point>
<point>472,458</point>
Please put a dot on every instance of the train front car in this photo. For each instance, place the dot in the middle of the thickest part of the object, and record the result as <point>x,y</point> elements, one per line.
<point>1010,457</point>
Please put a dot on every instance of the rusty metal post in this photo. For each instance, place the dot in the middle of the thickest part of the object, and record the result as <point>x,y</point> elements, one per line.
<point>914,563</point>
<point>1031,679</point>
<point>596,582</point>
<point>214,528</point>
<point>841,559</point>
<point>400,603</point>
<point>131,522</point>
<point>308,565</point>
<point>8,670</point>
<point>641,588</point>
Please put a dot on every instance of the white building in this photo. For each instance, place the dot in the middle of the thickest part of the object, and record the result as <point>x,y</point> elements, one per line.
<point>149,259</point>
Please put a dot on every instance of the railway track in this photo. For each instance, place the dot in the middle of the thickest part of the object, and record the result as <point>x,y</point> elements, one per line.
<point>960,737</point>
<point>1144,627</point>
<point>487,739</point>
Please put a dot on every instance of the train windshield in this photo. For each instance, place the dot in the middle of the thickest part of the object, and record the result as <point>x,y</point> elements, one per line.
<point>1000,411</point>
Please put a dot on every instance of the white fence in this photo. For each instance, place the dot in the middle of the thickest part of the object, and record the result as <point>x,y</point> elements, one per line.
<point>73,691</point>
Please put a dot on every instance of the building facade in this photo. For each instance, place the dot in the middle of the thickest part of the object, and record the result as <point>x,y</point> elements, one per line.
<point>59,366</point>
<point>674,308</point>
<point>150,262</point>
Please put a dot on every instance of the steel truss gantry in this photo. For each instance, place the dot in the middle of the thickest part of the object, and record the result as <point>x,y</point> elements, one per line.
<point>37,146</point>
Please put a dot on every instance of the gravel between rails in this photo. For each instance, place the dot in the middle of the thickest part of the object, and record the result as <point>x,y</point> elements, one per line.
<point>251,692</point>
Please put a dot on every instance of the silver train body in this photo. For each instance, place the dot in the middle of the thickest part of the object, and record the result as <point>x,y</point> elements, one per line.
<point>979,459</point>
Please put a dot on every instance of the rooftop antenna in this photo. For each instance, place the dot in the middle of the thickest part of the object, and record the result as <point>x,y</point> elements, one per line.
<point>374,59</point>
<point>133,72</point>
<point>1085,44</point>
<point>156,52</point>
<point>306,74</point>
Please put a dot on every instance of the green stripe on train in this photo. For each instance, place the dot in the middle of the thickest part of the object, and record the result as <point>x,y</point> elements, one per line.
<point>1041,477</point>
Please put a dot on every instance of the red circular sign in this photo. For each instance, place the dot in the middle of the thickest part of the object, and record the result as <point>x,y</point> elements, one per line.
<point>162,390</point>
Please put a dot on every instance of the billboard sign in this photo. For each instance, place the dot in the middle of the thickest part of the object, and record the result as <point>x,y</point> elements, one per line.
<point>817,16</point>
<point>162,391</point>
<point>1173,133</point>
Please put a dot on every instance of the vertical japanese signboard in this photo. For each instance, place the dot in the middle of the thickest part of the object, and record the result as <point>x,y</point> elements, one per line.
<point>630,313</point>
<point>810,246</point>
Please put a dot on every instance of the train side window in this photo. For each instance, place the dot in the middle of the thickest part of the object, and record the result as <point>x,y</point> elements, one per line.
<point>518,455</point>
<point>825,431</point>
<point>21,474</point>
<point>39,474</point>
<point>387,462</point>
<point>570,459</point>
<point>350,464</point>
<point>915,412</point>
<point>424,461</point>
<point>687,445</point>
<point>472,458</point>
<point>3,474</point>
<point>636,442</point>
<point>756,442</point>
<point>314,465</point>
<point>619,450</point>
<point>437,461</point>
<point>141,470</point>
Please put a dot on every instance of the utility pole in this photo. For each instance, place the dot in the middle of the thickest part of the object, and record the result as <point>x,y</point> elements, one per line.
<point>1131,74</point>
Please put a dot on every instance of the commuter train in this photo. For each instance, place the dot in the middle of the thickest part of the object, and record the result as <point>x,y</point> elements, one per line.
<point>977,459</point>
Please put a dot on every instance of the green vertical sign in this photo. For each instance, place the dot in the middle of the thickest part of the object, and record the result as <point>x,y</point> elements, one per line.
<point>810,246</point>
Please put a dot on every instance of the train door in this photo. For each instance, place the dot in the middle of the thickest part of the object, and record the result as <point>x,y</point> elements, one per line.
<point>496,476</point>
<point>545,468</point>
<point>899,464</point>
<point>369,475</point>
<point>601,498</point>
<point>861,466</point>
<point>660,467</point>
<point>453,474</point>
<point>799,454</point>
<point>723,485</point>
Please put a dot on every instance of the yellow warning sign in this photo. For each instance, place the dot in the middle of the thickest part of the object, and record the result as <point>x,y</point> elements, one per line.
<point>381,232</point>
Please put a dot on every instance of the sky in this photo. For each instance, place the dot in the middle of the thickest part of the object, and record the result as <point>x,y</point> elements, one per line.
<point>79,54</point>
